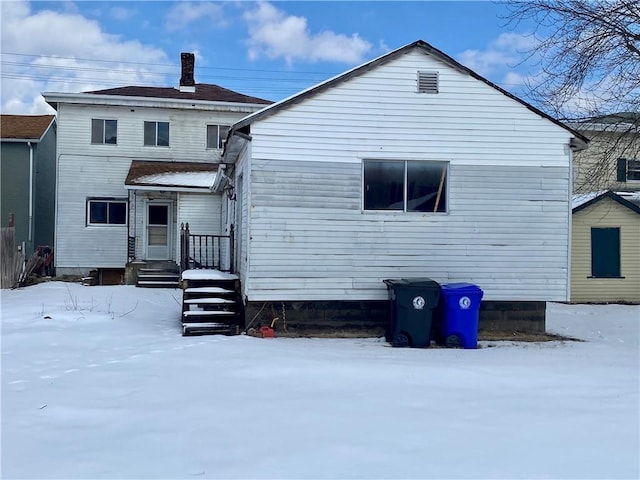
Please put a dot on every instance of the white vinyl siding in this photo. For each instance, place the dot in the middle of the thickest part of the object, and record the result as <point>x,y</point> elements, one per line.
<point>187,142</point>
<point>310,240</point>
<point>78,245</point>
<point>507,225</point>
<point>100,171</point>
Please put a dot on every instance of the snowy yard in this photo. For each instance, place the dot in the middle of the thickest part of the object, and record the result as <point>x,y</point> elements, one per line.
<point>97,382</point>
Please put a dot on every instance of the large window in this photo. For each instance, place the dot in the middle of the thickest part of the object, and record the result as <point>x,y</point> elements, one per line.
<point>104,132</point>
<point>216,135</point>
<point>156,134</point>
<point>605,252</point>
<point>102,211</point>
<point>406,186</point>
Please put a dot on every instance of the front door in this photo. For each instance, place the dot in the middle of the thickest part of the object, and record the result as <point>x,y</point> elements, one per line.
<point>159,231</point>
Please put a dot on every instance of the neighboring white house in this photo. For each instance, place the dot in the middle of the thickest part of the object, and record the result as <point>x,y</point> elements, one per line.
<point>133,164</point>
<point>410,165</point>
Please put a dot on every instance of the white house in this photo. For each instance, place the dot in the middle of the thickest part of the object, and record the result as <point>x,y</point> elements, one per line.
<point>134,163</point>
<point>410,165</point>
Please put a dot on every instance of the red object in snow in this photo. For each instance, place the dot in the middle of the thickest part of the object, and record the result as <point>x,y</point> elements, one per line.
<point>267,332</point>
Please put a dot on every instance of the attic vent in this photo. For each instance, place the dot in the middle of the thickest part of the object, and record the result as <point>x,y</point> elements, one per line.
<point>427,82</point>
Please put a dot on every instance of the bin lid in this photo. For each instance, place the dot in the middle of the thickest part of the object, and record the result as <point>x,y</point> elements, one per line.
<point>461,287</point>
<point>412,282</point>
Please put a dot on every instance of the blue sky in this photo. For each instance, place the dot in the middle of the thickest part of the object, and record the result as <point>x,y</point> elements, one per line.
<point>266,49</point>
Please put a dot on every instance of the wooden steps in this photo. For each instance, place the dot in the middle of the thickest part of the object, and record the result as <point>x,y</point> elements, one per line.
<point>157,278</point>
<point>211,303</point>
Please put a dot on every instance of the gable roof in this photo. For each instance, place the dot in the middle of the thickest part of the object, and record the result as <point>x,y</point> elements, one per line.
<point>203,91</point>
<point>27,128</point>
<point>419,44</point>
<point>580,202</point>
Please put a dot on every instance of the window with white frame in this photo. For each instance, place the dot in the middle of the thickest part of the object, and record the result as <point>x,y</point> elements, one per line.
<point>104,132</point>
<point>106,211</point>
<point>405,186</point>
<point>216,135</point>
<point>156,134</point>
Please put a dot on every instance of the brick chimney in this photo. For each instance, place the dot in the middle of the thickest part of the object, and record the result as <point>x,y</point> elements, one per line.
<point>187,82</point>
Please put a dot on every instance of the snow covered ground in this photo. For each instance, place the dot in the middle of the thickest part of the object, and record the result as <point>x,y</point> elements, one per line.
<point>97,382</point>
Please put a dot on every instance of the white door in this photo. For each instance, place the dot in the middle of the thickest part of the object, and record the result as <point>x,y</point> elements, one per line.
<point>159,231</point>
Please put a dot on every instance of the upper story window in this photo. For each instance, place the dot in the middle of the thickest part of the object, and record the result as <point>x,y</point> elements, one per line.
<point>104,132</point>
<point>216,135</point>
<point>156,134</point>
<point>106,211</point>
<point>628,170</point>
<point>405,186</point>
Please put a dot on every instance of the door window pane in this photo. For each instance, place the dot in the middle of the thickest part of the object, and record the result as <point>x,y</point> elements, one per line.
<point>158,215</point>
<point>157,236</point>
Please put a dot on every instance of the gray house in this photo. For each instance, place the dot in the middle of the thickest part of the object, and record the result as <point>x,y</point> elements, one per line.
<point>28,172</point>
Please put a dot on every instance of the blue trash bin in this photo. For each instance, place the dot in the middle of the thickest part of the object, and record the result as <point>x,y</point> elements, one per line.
<point>459,313</point>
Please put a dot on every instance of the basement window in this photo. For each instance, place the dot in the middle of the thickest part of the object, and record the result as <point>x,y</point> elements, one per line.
<point>103,211</point>
<point>427,82</point>
<point>405,186</point>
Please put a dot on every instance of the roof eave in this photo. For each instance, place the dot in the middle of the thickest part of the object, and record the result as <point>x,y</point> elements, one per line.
<point>613,196</point>
<point>54,98</point>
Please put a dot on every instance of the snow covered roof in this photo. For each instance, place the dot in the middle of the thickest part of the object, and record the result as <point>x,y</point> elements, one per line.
<point>628,199</point>
<point>152,175</point>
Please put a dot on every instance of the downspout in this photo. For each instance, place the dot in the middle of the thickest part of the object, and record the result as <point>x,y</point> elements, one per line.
<point>570,229</point>
<point>30,195</point>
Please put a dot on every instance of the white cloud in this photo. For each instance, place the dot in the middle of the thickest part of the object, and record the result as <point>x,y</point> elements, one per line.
<point>185,13</point>
<point>53,51</point>
<point>505,52</point>
<point>275,34</point>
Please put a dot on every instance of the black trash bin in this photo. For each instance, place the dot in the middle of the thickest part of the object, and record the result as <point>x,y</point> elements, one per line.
<point>412,303</point>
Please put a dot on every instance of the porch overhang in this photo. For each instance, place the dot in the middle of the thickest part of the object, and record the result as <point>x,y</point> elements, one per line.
<point>171,176</point>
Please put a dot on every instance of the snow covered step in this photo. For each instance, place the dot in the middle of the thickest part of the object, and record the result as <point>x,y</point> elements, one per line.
<point>159,282</point>
<point>206,313</point>
<point>207,327</point>
<point>209,301</point>
<point>209,290</point>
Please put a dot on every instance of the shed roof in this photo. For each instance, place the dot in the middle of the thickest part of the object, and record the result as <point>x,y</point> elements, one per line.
<point>420,45</point>
<point>29,128</point>
<point>170,175</point>
<point>630,200</point>
<point>203,91</point>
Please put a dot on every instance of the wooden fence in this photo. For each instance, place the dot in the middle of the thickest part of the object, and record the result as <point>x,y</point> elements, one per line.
<point>10,259</point>
<point>206,251</point>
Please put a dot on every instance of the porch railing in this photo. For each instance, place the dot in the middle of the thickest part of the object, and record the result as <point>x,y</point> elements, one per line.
<point>206,251</point>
